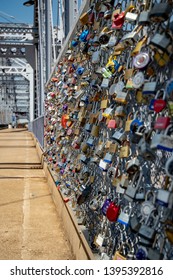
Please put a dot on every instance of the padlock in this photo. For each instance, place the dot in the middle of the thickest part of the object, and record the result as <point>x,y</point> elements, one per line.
<point>148,229</point>
<point>112,212</point>
<point>157,104</point>
<point>125,150</point>
<point>145,150</point>
<point>168,229</point>
<point>84,17</point>
<point>129,39</point>
<point>136,122</point>
<point>148,205</point>
<point>95,202</point>
<point>132,166</point>
<point>128,122</point>
<point>121,97</point>
<point>107,74</point>
<point>162,123</point>
<point>124,216</point>
<point>104,36</point>
<point>131,17</point>
<point>143,18</point>
<point>122,253</point>
<point>96,57</point>
<point>104,104</point>
<point>169,167</point>
<point>84,159</point>
<point>133,187</point>
<point>119,136</point>
<point>138,80</point>
<point>161,58</point>
<point>108,158</point>
<point>120,112</point>
<point>149,88</point>
<point>95,130</point>
<point>134,223</point>
<point>105,206</point>
<point>161,42</point>
<point>163,141</point>
<point>90,141</point>
<point>112,123</point>
<point>118,20</point>
<point>88,127</point>
<point>108,111</point>
<point>105,83</point>
<point>163,197</point>
<point>156,254</point>
<point>124,181</point>
<point>103,165</point>
<point>160,12</point>
<point>84,194</point>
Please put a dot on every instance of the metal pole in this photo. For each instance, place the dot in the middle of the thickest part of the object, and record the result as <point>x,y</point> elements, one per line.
<point>40,58</point>
<point>48,40</point>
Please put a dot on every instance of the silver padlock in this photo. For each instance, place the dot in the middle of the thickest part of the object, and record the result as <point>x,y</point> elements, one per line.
<point>163,141</point>
<point>133,186</point>
<point>108,158</point>
<point>124,216</point>
<point>145,150</point>
<point>119,136</point>
<point>103,165</point>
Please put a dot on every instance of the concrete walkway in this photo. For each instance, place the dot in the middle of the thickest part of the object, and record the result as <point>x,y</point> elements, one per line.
<point>29,225</point>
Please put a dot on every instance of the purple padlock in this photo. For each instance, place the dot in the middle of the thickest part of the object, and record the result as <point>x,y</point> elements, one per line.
<point>62,171</point>
<point>105,206</point>
<point>65,107</point>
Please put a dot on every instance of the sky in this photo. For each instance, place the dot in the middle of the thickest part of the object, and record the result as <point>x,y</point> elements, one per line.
<point>16,12</point>
<point>16,9</point>
<point>21,13</point>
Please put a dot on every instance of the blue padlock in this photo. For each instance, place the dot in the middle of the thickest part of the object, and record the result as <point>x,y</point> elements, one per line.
<point>74,43</point>
<point>83,36</point>
<point>80,70</point>
<point>136,123</point>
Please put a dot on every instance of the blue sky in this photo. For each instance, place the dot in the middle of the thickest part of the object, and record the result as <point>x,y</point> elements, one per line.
<point>16,9</point>
<point>21,13</point>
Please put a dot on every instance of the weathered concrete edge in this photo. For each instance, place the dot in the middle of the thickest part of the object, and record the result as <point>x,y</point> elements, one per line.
<point>79,245</point>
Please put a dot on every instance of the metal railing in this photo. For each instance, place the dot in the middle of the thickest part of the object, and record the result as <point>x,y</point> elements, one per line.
<point>37,127</point>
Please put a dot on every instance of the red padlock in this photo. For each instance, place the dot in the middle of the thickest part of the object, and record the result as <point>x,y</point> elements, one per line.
<point>112,212</point>
<point>159,103</point>
<point>162,123</point>
<point>118,20</point>
<point>76,146</point>
<point>112,124</point>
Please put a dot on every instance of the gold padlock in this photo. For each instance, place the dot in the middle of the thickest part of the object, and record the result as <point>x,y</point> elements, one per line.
<point>113,148</point>
<point>125,150</point>
<point>104,104</point>
<point>128,122</point>
<point>161,58</point>
<point>84,18</point>
<point>95,130</point>
<point>119,255</point>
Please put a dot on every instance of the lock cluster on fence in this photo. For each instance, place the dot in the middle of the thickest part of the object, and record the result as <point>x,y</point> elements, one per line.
<point>109,128</point>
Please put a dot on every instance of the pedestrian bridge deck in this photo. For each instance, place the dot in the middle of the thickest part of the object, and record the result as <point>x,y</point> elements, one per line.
<point>30,228</point>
